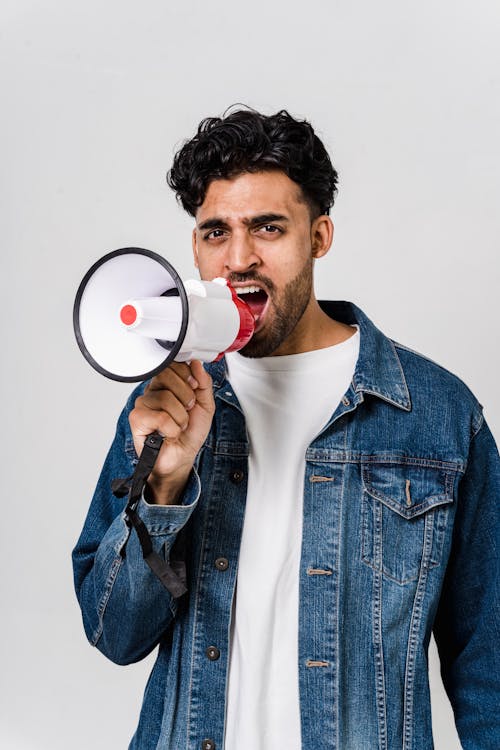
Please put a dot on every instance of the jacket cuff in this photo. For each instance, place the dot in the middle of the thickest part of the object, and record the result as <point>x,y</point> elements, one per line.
<point>168,519</point>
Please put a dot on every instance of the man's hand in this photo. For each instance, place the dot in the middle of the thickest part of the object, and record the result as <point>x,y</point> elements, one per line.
<point>179,404</point>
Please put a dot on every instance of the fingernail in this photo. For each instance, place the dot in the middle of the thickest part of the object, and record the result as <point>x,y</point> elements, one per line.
<point>193,382</point>
<point>191,404</point>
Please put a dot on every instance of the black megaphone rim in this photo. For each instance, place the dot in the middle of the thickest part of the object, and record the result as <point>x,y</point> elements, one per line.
<point>184,324</point>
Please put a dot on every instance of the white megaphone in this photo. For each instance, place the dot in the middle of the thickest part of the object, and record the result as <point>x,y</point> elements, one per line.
<point>133,316</point>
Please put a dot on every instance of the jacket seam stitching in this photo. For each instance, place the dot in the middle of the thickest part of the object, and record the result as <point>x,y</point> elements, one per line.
<point>481,422</point>
<point>101,607</point>
<point>337,602</point>
<point>199,581</point>
<point>378,643</point>
<point>327,456</point>
<point>416,617</point>
<point>401,371</point>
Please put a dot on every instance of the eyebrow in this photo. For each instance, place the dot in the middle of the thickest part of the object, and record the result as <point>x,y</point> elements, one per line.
<point>220,223</point>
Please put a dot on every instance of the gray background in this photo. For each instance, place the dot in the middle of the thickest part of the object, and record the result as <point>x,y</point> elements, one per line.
<point>95,98</point>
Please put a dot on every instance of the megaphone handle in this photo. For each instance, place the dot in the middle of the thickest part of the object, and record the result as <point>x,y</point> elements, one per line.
<point>174,583</point>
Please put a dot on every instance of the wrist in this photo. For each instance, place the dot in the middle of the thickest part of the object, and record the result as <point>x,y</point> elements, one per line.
<point>166,489</point>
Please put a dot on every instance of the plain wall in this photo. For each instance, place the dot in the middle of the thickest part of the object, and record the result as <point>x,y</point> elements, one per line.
<point>96,97</point>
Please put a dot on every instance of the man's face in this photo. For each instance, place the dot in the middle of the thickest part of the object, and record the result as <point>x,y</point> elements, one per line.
<point>256,231</point>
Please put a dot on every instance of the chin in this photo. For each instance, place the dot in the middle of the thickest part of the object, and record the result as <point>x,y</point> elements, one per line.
<point>259,345</point>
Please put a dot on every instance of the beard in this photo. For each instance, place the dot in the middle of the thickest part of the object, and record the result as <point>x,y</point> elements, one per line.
<point>285,311</point>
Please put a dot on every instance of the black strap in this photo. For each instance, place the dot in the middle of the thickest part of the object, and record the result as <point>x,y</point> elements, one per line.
<point>173,581</point>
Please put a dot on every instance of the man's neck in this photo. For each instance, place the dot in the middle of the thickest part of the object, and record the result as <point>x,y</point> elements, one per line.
<point>315,330</point>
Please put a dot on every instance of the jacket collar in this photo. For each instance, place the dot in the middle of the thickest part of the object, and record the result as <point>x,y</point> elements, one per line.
<point>378,369</point>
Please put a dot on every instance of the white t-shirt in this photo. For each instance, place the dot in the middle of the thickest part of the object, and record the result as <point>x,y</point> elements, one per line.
<point>286,401</point>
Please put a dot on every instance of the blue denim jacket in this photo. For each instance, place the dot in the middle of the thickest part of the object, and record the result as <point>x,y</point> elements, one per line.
<point>401,513</point>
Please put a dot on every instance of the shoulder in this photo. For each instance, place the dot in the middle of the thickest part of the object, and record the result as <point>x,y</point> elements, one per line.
<point>429,380</point>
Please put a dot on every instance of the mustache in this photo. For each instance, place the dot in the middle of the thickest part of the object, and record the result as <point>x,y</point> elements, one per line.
<point>258,278</point>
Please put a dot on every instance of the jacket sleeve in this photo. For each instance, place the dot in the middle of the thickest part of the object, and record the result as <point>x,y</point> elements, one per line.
<point>467,627</point>
<point>125,608</point>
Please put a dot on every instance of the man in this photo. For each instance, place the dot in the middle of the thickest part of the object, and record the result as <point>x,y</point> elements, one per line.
<point>333,494</point>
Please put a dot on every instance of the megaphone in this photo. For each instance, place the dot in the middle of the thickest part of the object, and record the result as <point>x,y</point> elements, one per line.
<point>133,316</point>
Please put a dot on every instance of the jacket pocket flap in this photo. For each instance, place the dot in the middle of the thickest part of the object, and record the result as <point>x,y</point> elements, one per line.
<point>408,490</point>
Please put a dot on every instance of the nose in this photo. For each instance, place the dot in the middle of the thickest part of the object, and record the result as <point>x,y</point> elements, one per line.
<point>241,255</point>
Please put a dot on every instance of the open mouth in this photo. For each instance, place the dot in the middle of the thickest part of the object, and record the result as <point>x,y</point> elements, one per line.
<point>255,297</point>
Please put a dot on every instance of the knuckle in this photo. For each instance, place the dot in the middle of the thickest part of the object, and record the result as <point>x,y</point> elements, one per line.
<point>179,367</point>
<point>172,405</point>
<point>169,398</point>
<point>174,432</point>
<point>132,417</point>
<point>182,393</point>
<point>159,381</point>
<point>169,427</point>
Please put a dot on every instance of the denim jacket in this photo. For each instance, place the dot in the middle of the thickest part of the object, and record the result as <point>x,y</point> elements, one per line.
<point>400,538</point>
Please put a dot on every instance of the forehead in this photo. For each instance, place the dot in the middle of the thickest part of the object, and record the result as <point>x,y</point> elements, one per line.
<point>251,194</point>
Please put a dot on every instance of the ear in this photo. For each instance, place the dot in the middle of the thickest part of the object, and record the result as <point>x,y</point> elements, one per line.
<point>321,235</point>
<point>194,244</point>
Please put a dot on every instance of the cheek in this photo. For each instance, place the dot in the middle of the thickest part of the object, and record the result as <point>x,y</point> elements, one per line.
<point>209,269</point>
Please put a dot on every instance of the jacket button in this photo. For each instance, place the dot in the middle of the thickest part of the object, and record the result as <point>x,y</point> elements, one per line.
<point>222,563</point>
<point>208,745</point>
<point>236,476</point>
<point>213,653</point>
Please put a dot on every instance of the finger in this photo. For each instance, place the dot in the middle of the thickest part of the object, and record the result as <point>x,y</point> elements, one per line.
<point>180,368</point>
<point>166,401</point>
<point>172,380</point>
<point>144,421</point>
<point>204,393</point>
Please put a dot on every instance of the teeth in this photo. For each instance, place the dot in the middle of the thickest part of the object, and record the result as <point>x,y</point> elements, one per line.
<point>248,290</point>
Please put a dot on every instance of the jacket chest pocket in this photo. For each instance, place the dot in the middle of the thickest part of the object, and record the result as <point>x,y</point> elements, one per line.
<point>405,512</point>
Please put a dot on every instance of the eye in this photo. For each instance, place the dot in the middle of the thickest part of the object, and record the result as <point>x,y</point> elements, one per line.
<point>215,234</point>
<point>270,229</point>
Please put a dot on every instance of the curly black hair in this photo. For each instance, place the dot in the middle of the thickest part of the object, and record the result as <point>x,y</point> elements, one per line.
<point>244,140</point>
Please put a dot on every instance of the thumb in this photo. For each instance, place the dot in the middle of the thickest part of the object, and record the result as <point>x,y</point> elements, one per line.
<point>204,393</point>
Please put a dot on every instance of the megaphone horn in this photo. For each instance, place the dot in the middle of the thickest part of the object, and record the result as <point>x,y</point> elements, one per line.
<point>133,316</point>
